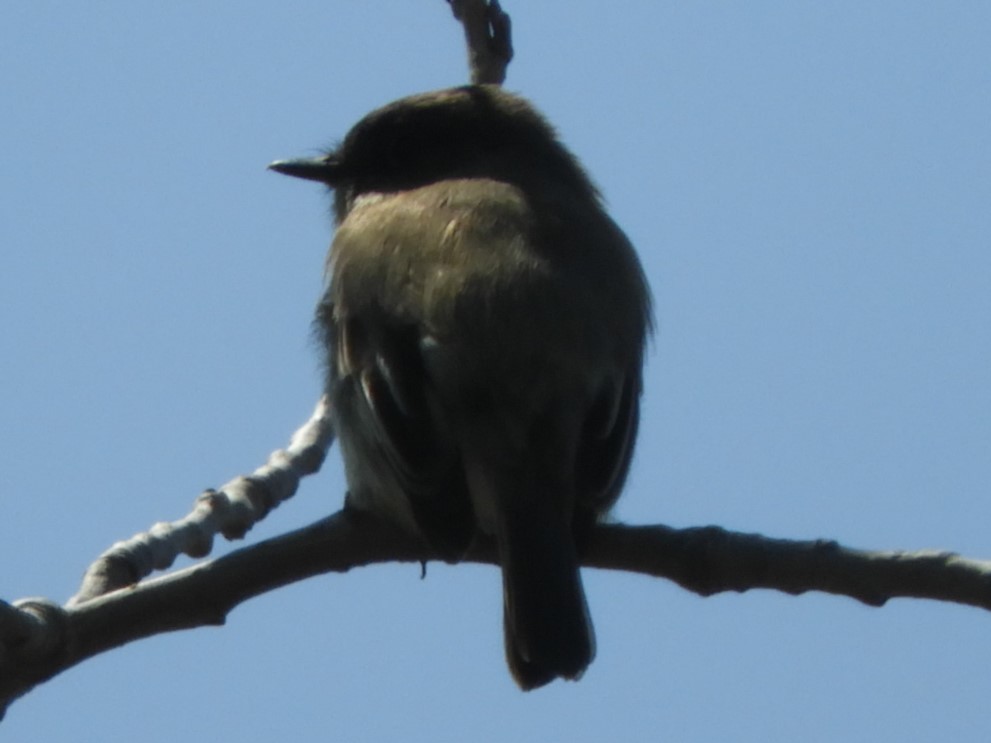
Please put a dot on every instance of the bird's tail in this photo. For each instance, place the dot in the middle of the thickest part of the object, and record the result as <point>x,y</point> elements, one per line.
<point>525,497</point>
<point>548,631</point>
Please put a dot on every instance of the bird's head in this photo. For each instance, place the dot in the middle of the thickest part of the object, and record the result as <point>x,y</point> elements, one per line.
<point>477,131</point>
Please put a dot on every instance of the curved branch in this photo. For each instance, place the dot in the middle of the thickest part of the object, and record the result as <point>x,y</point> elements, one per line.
<point>230,511</point>
<point>39,639</point>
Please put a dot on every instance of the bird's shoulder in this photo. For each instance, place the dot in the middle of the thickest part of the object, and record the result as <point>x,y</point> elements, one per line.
<point>436,218</point>
<point>433,239</point>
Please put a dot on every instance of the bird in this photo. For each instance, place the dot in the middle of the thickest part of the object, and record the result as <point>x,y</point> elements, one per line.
<point>484,322</point>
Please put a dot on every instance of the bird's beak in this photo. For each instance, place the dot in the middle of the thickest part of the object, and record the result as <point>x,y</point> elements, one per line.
<point>324,169</point>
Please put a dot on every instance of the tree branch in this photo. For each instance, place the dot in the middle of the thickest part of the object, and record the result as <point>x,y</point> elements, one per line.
<point>39,639</point>
<point>488,35</point>
<point>231,511</point>
<point>709,559</point>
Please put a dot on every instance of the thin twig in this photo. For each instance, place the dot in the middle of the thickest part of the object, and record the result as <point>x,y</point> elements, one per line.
<point>488,35</point>
<point>230,511</point>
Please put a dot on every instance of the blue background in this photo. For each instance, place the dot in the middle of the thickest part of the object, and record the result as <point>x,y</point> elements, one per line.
<point>808,185</point>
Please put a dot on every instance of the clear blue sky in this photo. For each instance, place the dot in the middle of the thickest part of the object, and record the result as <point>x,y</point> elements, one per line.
<point>809,185</point>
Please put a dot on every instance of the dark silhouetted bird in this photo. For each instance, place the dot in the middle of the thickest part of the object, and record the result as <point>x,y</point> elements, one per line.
<point>485,322</point>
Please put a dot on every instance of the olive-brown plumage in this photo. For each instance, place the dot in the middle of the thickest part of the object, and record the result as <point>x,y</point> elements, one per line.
<point>484,321</point>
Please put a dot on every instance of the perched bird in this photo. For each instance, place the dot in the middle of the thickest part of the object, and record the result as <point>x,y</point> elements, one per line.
<point>484,322</point>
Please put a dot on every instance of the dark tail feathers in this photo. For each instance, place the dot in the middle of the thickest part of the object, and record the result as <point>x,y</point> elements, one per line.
<point>547,626</point>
